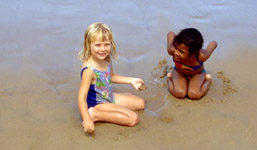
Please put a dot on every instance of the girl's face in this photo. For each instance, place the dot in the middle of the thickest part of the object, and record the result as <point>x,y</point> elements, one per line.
<point>100,49</point>
<point>181,52</point>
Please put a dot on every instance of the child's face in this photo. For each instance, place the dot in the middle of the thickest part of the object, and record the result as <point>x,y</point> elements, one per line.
<point>181,51</point>
<point>100,49</point>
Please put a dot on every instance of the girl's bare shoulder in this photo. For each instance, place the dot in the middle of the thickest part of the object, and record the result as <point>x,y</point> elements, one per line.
<point>83,65</point>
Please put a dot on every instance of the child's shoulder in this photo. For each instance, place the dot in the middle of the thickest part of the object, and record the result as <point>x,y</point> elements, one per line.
<point>86,70</point>
<point>86,67</point>
<point>85,64</point>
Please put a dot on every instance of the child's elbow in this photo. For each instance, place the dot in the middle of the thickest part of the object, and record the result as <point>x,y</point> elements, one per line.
<point>81,98</point>
<point>214,44</point>
<point>170,34</point>
<point>169,50</point>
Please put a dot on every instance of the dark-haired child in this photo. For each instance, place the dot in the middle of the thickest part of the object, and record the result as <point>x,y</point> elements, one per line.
<point>188,77</point>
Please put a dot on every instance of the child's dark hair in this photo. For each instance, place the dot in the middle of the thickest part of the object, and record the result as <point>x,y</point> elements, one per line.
<point>191,37</point>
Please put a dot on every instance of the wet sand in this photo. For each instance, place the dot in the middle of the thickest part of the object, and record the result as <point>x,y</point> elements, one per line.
<point>40,74</point>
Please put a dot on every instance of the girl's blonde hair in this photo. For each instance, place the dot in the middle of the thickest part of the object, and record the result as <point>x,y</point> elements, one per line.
<point>96,31</point>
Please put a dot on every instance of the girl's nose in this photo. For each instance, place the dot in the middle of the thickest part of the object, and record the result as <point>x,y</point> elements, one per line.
<point>176,53</point>
<point>102,47</point>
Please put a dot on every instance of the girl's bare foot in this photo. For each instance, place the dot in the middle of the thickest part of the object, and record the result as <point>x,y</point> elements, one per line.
<point>91,112</point>
<point>207,81</point>
<point>169,75</point>
<point>208,78</point>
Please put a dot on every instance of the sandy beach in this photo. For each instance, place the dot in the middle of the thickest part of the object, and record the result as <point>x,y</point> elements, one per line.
<point>40,74</point>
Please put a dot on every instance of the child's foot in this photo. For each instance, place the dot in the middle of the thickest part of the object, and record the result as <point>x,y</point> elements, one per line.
<point>208,77</point>
<point>207,81</point>
<point>169,75</point>
<point>91,112</point>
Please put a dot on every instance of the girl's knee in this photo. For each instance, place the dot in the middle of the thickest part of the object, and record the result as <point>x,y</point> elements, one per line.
<point>141,104</point>
<point>194,95</point>
<point>134,120</point>
<point>180,94</point>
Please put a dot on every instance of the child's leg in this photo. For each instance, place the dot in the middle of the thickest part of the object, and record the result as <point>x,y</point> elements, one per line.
<point>199,85</point>
<point>129,100</point>
<point>113,113</point>
<point>177,84</point>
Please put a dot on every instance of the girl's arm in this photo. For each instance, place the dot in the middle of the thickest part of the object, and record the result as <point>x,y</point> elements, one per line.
<point>206,53</point>
<point>135,82</point>
<point>87,123</point>
<point>170,38</point>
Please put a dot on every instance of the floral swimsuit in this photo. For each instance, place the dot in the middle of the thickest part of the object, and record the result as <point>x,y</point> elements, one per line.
<point>101,91</point>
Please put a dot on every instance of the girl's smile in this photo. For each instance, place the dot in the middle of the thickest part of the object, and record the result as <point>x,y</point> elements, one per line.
<point>100,49</point>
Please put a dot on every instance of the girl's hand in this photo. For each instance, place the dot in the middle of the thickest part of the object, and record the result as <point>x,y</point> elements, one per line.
<point>88,126</point>
<point>137,82</point>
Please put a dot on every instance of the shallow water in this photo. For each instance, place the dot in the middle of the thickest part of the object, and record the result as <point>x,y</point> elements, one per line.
<point>39,82</point>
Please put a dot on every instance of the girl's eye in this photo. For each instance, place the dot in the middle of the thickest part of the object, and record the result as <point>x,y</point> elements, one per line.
<point>182,52</point>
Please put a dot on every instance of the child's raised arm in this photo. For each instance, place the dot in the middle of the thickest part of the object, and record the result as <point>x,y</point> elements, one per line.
<point>170,38</point>
<point>206,53</point>
<point>87,123</point>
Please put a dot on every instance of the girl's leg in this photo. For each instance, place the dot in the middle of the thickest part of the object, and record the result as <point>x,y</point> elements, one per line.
<point>129,100</point>
<point>199,85</point>
<point>177,84</point>
<point>113,113</point>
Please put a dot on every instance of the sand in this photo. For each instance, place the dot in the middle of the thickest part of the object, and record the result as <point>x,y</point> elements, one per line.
<point>40,74</point>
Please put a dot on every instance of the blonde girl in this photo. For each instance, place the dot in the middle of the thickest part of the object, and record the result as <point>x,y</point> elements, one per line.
<point>96,99</point>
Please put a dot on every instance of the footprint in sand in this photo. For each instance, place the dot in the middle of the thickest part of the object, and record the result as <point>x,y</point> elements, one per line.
<point>166,119</point>
<point>126,132</point>
<point>161,70</point>
<point>227,87</point>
